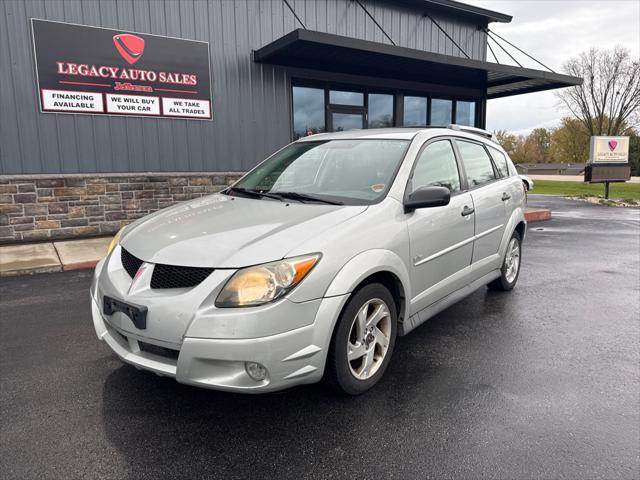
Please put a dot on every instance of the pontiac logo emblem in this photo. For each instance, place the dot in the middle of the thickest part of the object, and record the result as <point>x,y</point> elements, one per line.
<point>129,46</point>
<point>613,144</point>
<point>138,274</point>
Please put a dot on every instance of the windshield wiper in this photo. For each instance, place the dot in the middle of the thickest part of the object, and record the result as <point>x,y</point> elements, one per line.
<point>305,196</point>
<point>253,193</point>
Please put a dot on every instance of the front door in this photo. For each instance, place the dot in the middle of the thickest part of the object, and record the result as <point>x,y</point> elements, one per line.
<point>441,238</point>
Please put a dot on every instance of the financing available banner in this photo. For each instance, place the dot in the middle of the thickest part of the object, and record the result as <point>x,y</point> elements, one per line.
<point>100,71</point>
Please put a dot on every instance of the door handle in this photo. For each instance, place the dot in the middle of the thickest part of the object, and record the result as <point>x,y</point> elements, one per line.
<point>467,211</point>
<point>505,196</point>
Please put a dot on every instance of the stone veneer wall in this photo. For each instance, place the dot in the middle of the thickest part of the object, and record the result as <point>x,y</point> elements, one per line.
<point>53,207</point>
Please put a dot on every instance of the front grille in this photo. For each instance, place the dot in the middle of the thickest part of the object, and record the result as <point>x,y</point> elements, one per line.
<point>166,276</point>
<point>171,276</point>
<point>130,263</point>
<point>160,351</point>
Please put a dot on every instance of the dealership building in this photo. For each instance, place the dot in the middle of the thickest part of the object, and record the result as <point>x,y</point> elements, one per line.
<point>111,110</point>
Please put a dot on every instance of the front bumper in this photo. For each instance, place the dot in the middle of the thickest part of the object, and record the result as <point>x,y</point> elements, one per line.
<point>292,357</point>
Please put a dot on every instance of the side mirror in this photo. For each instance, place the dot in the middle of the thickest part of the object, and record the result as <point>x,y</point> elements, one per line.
<point>427,197</point>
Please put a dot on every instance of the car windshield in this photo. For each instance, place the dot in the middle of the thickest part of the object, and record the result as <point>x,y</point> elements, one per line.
<point>350,172</point>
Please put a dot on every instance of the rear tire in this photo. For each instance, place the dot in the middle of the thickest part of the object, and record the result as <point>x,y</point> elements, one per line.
<point>510,270</point>
<point>363,341</point>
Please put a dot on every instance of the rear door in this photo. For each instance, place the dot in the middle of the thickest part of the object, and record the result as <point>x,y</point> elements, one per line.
<point>489,198</point>
<point>441,238</point>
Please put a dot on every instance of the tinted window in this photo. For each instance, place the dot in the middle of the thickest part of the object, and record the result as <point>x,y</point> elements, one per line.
<point>415,111</point>
<point>436,167</point>
<point>380,110</point>
<point>476,162</point>
<point>441,111</point>
<point>346,121</point>
<point>308,111</point>
<point>346,98</point>
<point>500,161</point>
<point>466,113</point>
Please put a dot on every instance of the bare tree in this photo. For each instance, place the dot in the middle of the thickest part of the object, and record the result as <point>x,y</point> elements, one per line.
<point>608,102</point>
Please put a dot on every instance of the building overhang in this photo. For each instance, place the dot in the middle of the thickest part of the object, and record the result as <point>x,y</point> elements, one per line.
<point>457,8</point>
<point>334,53</point>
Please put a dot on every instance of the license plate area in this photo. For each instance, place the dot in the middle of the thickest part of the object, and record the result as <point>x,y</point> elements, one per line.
<point>137,313</point>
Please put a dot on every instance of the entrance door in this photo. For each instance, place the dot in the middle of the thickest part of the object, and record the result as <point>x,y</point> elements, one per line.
<point>342,119</point>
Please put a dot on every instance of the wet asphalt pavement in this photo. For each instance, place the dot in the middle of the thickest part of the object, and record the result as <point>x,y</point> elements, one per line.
<point>543,382</point>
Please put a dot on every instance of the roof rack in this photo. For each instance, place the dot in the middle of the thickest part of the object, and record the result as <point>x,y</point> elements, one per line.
<point>477,131</point>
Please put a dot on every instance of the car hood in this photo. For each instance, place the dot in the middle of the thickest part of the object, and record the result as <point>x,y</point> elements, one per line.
<point>230,232</point>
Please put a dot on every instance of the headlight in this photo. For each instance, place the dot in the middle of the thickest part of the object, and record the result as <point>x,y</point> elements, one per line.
<point>265,283</point>
<point>115,240</point>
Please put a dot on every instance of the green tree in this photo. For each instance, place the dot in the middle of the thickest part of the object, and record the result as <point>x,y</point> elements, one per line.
<point>541,140</point>
<point>507,140</point>
<point>569,142</point>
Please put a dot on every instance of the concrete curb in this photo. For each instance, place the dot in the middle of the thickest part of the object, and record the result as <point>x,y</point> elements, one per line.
<point>537,214</point>
<point>81,265</point>
<point>50,257</point>
<point>30,271</point>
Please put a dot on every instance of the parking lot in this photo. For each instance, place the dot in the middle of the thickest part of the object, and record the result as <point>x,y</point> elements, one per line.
<point>543,382</point>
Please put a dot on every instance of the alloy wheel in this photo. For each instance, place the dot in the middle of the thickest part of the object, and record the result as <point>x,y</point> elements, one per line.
<point>512,260</point>
<point>369,338</point>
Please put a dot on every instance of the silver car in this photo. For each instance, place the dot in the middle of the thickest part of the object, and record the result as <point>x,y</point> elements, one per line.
<point>312,264</point>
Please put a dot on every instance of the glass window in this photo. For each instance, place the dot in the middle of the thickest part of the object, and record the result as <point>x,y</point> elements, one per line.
<point>476,163</point>
<point>415,111</point>
<point>346,121</point>
<point>338,97</point>
<point>380,110</point>
<point>436,167</point>
<point>500,161</point>
<point>466,113</point>
<point>355,172</point>
<point>441,111</point>
<point>308,111</point>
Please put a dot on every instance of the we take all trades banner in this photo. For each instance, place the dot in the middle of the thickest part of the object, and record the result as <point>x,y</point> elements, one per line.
<point>100,71</point>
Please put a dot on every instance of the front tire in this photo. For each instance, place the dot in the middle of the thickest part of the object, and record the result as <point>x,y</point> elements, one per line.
<point>363,340</point>
<point>510,265</point>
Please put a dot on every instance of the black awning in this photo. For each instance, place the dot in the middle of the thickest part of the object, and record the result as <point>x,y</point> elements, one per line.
<point>335,53</point>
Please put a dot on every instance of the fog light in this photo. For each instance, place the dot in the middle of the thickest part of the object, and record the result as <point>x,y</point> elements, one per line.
<point>256,371</point>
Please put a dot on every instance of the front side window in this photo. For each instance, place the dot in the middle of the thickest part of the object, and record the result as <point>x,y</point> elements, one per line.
<point>500,161</point>
<point>415,111</point>
<point>476,163</point>
<point>308,111</point>
<point>353,172</point>
<point>436,167</point>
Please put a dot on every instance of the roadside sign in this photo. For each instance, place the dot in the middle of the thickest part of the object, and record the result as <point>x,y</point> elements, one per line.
<point>608,161</point>
<point>92,70</point>
<point>609,150</point>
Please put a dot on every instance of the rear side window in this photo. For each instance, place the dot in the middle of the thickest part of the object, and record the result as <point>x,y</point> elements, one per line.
<point>501,162</point>
<point>436,167</point>
<point>477,163</point>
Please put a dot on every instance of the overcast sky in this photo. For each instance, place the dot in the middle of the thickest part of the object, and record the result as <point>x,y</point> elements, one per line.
<point>553,31</point>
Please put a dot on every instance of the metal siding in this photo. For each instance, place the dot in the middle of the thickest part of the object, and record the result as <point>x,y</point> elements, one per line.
<point>251,102</point>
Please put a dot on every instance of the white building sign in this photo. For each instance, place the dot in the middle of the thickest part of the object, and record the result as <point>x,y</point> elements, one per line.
<point>609,150</point>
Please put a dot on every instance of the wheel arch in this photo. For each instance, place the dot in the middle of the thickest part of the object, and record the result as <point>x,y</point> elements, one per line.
<point>381,266</point>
